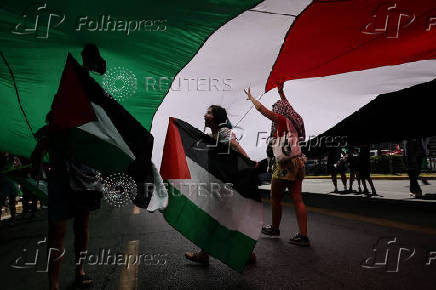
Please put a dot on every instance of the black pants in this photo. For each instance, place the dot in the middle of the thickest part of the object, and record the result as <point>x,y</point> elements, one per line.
<point>414,160</point>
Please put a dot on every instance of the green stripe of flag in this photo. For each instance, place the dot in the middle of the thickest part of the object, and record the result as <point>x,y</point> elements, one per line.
<point>95,152</point>
<point>186,25</point>
<point>231,247</point>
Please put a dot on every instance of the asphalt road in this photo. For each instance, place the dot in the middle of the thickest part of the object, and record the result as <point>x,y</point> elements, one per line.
<point>341,256</point>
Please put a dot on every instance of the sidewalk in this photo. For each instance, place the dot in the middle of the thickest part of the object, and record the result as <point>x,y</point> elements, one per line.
<point>398,176</point>
<point>389,190</point>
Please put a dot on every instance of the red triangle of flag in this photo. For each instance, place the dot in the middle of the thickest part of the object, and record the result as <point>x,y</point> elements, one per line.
<point>70,108</point>
<point>174,164</point>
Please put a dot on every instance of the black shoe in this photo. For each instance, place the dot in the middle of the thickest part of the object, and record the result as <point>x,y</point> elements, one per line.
<point>300,240</point>
<point>270,231</point>
<point>416,189</point>
<point>198,257</point>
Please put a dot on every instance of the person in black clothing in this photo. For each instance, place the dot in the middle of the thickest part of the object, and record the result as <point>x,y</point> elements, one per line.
<point>63,203</point>
<point>365,169</point>
<point>335,165</point>
<point>416,150</point>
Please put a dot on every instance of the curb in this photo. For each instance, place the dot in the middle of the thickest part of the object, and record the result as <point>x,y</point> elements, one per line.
<point>372,177</point>
<point>323,200</point>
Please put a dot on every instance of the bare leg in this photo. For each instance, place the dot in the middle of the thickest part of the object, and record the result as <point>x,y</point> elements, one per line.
<point>365,189</point>
<point>300,208</point>
<point>335,182</point>
<point>81,235</point>
<point>344,180</point>
<point>372,186</point>
<point>358,182</point>
<point>277,189</point>
<point>352,174</point>
<point>55,245</point>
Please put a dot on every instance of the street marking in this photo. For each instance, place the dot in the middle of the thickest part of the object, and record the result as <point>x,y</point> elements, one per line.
<point>129,273</point>
<point>371,220</point>
<point>136,210</point>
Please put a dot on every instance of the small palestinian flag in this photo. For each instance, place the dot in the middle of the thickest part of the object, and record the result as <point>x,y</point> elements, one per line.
<point>213,195</point>
<point>92,127</point>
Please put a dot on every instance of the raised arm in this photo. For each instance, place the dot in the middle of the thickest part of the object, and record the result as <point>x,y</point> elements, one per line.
<point>261,108</point>
<point>280,90</point>
<point>235,146</point>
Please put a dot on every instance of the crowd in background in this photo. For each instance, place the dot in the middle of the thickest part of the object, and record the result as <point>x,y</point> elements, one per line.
<point>11,192</point>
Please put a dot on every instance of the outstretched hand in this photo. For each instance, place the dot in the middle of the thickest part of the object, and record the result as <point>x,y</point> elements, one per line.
<point>248,93</point>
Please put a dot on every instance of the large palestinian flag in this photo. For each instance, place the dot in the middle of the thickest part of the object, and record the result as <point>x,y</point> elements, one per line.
<point>213,195</point>
<point>335,56</point>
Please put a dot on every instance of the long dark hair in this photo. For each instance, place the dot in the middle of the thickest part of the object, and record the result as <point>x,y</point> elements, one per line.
<point>220,117</point>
